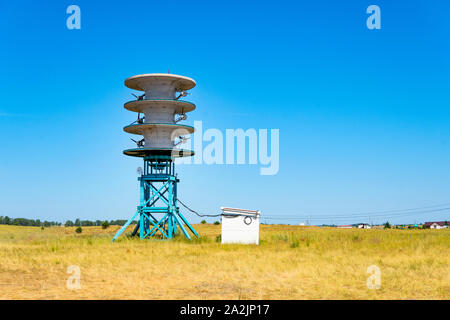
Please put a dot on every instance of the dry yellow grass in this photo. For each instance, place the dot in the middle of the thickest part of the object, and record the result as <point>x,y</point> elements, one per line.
<point>291,262</point>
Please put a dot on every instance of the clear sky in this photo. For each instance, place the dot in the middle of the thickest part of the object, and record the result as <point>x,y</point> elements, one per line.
<point>363,114</point>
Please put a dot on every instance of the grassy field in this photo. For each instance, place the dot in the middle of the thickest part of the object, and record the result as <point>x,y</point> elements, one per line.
<point>292,262</point>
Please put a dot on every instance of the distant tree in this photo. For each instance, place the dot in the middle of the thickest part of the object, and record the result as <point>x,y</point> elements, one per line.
<point>387,225</point>
<point>78,230</point>
<point>68,223</point>
<point>217,222</point>
<point>87,223</point>
<point>120,222</point>
<point>78,222</point>
<point>105,224</point>
<point>203,222</point>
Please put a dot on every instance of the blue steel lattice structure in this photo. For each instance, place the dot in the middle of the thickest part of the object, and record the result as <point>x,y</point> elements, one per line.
<point>157,213</point>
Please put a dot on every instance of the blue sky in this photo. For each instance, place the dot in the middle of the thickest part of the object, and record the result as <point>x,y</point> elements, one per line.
<point>363,114</point>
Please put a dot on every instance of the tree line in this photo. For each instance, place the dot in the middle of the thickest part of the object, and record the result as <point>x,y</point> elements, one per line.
<point>27,222</point>
<point>38,223</point>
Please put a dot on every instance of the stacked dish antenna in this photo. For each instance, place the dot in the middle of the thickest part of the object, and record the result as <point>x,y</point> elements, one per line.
<point>160,108</point>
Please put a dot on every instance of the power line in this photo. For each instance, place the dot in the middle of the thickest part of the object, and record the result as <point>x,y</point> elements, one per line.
<point>370,215</point>
<point>404,213</point>
<point>410,209</point>
<point>198,214</point>
<point>212,215</point>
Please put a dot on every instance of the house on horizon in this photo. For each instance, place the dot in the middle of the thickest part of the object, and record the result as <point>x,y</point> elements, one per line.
<point>345,226</point>
<point>364,226</point>
<point>436,224</point>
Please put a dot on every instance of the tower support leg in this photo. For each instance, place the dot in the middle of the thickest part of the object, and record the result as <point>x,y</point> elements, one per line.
<point>158,213</point>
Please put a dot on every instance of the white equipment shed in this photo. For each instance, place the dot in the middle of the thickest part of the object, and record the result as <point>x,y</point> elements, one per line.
<point>240,226</point>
